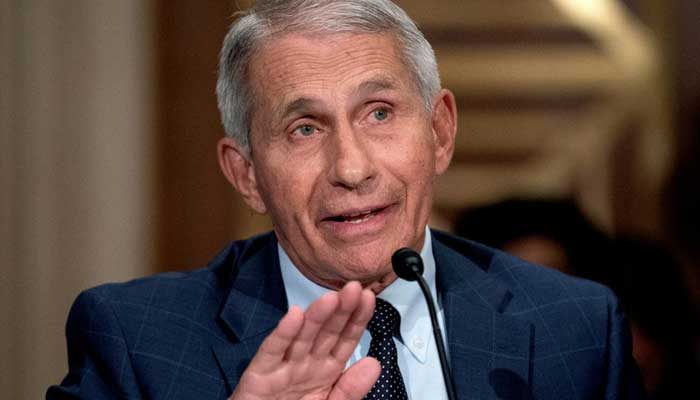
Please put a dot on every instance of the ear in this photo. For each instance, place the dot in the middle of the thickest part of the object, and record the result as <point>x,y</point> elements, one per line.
<point>238,168</point>
<point>444,129</point>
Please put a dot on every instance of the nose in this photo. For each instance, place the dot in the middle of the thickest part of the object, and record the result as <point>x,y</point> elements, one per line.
<point>352,163</point>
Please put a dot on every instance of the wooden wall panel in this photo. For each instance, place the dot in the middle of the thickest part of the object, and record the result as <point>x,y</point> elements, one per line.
<point>198,211</point>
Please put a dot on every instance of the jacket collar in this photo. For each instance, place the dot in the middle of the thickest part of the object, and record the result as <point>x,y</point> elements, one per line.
<point>490,351</point>
<point>253,307</point>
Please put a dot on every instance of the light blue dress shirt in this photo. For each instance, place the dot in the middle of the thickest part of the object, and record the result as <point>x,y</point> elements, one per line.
<point>417,353</point>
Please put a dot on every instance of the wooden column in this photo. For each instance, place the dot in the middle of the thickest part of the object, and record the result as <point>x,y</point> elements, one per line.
<point>198,211</point>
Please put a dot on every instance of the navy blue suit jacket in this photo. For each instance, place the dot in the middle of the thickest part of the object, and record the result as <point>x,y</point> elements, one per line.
<point>514,330</point>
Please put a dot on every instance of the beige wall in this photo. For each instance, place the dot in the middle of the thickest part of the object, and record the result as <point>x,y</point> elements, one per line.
<point>75,167</point>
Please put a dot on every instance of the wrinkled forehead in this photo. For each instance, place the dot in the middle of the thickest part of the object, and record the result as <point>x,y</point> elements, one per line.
<point>285,64</point>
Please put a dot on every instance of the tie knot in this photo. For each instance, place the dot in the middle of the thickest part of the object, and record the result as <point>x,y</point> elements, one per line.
<point>385,321</point>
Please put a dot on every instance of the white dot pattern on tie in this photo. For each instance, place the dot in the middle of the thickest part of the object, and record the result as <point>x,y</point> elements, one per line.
<point>383,326</point>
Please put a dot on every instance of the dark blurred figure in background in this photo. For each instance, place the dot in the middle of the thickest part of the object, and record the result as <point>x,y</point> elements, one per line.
<point>683,201</point>
<point>645,276</point>
<point>649,282</point>
<point>553,233</point>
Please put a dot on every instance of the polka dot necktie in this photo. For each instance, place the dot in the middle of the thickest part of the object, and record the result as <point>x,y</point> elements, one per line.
<point>383,326</point>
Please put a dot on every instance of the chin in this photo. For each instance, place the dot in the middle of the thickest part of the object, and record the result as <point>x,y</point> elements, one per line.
<point>365,267</point>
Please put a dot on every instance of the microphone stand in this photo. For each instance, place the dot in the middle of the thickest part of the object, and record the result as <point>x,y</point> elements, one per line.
<point>409,265</point>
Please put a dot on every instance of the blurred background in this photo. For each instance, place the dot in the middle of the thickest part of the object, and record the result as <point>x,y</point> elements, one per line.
<point>581,116</point>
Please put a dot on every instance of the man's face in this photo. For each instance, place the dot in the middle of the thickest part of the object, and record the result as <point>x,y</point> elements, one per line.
<point>343,153</point>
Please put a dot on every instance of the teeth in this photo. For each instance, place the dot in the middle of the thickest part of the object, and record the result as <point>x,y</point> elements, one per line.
<point>357,218</point>
<point>358,215</point>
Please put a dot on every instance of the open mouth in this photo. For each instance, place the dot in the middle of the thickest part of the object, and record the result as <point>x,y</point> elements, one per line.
<point>356,218</point>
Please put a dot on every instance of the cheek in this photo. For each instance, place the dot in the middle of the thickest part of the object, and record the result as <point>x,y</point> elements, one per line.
<point>287,190</point>
<point>414,161</point>
<point>419,167</point>
<point>411,168</point>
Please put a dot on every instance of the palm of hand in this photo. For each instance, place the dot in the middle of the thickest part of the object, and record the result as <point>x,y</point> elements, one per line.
<point>305,355</point>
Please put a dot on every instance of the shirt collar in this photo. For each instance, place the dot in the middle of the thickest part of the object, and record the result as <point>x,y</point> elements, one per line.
<point>405,296</point>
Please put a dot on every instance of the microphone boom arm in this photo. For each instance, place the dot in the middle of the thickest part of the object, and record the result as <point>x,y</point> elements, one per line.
<point>437,333</point>
<point>408,265</point>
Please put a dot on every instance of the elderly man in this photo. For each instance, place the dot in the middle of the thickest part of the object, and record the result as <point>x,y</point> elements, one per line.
<point>337,127</point>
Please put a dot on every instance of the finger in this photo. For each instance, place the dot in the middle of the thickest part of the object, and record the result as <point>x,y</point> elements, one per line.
<point>315,317</point>
<point>274,347</point>
<point>349,297</point>
<point>355,327</point>
<point>357,380</point>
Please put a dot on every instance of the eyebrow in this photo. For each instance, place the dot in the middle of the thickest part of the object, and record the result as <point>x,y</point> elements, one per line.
<point>299,105</point>
<point>376,85</point>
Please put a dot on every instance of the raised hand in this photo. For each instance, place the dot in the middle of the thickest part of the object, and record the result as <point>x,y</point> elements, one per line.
<point>305,355</point>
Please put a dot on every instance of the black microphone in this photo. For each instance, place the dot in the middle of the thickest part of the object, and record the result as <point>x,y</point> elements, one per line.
<point>408,265</point>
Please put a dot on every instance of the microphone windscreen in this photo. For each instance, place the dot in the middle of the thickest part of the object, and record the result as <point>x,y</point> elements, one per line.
<point>407,264</point>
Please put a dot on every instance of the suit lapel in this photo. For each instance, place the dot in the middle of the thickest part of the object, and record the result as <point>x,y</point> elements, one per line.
<point>254,306</point>
<point>489,350</point>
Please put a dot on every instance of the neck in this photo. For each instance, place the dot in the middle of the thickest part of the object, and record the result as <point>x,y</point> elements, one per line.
<point>383,283</point>
<point>376,285</point>
<point>375,279</point>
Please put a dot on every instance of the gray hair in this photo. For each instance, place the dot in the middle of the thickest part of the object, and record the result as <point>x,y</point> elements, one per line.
<point>270,17</point>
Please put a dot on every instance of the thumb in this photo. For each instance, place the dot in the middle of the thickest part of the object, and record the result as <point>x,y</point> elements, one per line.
<point>357,380</point>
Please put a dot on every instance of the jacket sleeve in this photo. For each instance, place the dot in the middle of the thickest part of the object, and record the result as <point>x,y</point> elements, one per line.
<point>99,365</point>
<point>623,378</point>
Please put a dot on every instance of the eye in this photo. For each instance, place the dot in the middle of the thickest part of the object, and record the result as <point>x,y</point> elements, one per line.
<point>380,114</point>
<point>305,130</point>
